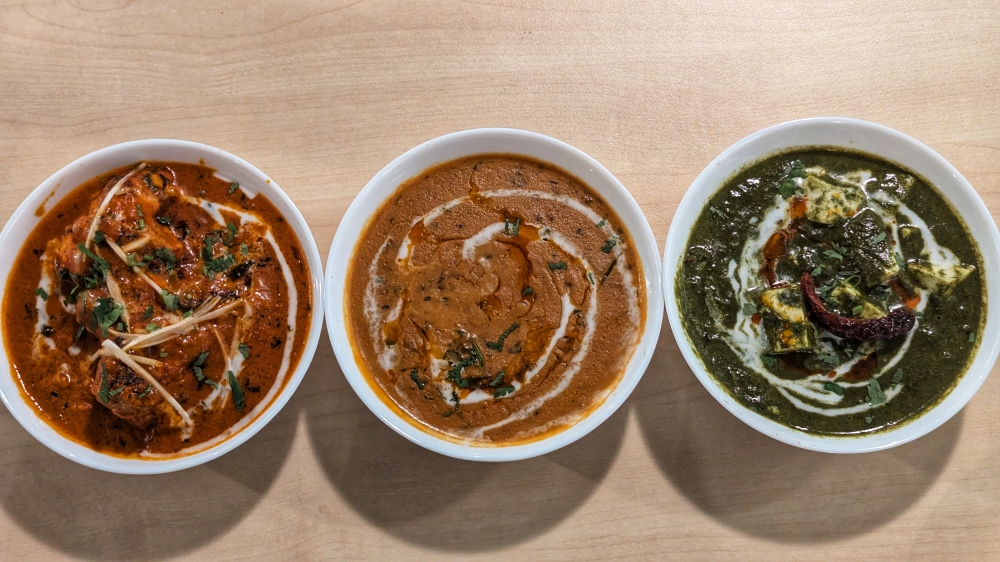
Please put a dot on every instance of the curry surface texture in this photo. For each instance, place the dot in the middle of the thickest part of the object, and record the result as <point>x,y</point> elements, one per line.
<point>495,300</point>
<point>877,246</point>
<point>231,276</point>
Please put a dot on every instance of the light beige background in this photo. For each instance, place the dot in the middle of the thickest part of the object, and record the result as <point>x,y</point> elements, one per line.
<point>321,95</point>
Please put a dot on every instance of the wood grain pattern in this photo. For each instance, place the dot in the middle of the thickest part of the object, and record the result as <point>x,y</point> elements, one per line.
<point>321,94</point>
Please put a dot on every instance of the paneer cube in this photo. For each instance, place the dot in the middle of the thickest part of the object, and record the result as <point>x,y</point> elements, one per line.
<point>828,203</point>
<point>784,320</point>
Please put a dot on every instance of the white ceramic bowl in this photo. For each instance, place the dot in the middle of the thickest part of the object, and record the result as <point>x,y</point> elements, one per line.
<point>890,145</point>
<point>451,147</point>
<point>65,180</point>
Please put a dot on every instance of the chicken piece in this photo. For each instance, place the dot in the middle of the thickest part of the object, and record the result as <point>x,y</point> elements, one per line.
<point>124,392</point>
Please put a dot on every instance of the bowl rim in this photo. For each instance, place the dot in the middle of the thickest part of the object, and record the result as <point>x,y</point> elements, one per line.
<point>137,150</point>
<point>705,185</point>
<point>451,144</point>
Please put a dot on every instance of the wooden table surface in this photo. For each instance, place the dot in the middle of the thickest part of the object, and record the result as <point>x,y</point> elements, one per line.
<point>320,95</point>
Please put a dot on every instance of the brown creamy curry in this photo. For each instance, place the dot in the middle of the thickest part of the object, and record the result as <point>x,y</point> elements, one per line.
<point>156,310</point>
<point>495,299</point>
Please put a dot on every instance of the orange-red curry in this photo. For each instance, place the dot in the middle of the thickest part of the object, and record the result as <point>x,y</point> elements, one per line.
<point>495,300</point>
<point>155,309</point>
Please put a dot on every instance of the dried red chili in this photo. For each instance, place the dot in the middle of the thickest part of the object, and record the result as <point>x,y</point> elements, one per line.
<point>896,323</point>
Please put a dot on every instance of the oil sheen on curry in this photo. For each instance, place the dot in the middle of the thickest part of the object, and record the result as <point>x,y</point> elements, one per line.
<point>156,310</point>
<point>832,291</point>
<point>495,300</point>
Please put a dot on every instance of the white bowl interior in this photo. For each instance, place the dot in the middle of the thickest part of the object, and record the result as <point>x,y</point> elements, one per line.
<point>467,143</point>
<point>65,180</point>
<point>888,144</point>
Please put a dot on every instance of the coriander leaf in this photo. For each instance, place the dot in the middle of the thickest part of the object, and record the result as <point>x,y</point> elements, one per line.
<point>40,292</point>
<point>99,238</point>
<point>749,309</point>
<point>557,265</point>
<point>104,393</point>
<point>234,386</point>
<point>602,223</point>
<point>102,264</point>
<point>503,391</point>
<point>834,255</point>
<point>152,327</point>
<point>479,354</point>
<point>796,170</point>
<point>244,350</point>
<point>972,337</point>
<point>857,310</point>
<point>609,244</point>
<point>233,187</point>
<point>498,346</point>
<point>714,211</point>
<point>200,360</point>
<point>106,314</point>
<point>868,419</point>
<point>768,360</point>
<point>498,380</point>
<point>142,224</point>
<point>590,277</point>
<point>167,257</point>
<point>165,221</point>
<point>164,354</point>
<point>527,291</point>
<point>138,209</point>
<point>187,314</point>
<point>875,394</point>
<point>232,232</point>
<point>116,391</point>
<point>416,379</point>
<point>897,377</point>
<point>877,238</point>
<point>148,314</point>
<point>145,393</point>
<point>787,188</point>
<point>244,249</point>
<point>169,300</point>
<point>828,359</point>
<point>816,272</point>
<point>834,388</point>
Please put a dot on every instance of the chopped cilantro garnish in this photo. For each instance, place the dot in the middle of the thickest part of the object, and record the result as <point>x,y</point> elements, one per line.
<point>232,232</point>
<point>244,350</point>
<point>498,346</point>
<point>234,385</point>
<point>527,291</point>
<point>40,292</point>
<point>557,265</point>
<point>857,310</point>
<point>102,264</point>
<point>609,244</point>
<point>590,277</point>
<point>142,224</point>
<point>163,354</point>
<point>106,314</point>
<point>105,390</point>
<point>479,354</point>
<point>148,314</point>
<point>145,393</point>
<point>768,360</point>
<point>138,209</point>
<point>868,419</point>
<point>233,187</point>
<point>875,394</point>
<point>169,300</point>
<point>165,221</point>
<point>79,333</point>
<point>834,255</point>
<point>877,238</point>
<point>511,228</point>
<point>152,327</point>
<point>244,249</point>
<point>816,272</point>
<point>749,309</point>
<point>787,188</point>
<point>972,337</point>
<point>187,314</point>
<point>715,212</point>
<point>167,257</point>
<point>602,223</point>
<point>834,388</point>
<point>455,373</point>
<point>897,377</point>
<point>200,360</point>
<point>116,391</point>
<point>498,380</point>
<point>416,379</point>
<point>503,391</point>
<point>99,238</point>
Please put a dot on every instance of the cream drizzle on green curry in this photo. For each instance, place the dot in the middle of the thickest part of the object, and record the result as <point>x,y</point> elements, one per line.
<point>816,242</point>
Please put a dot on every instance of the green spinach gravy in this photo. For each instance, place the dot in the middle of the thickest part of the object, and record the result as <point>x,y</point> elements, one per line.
<point>872,238</point>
